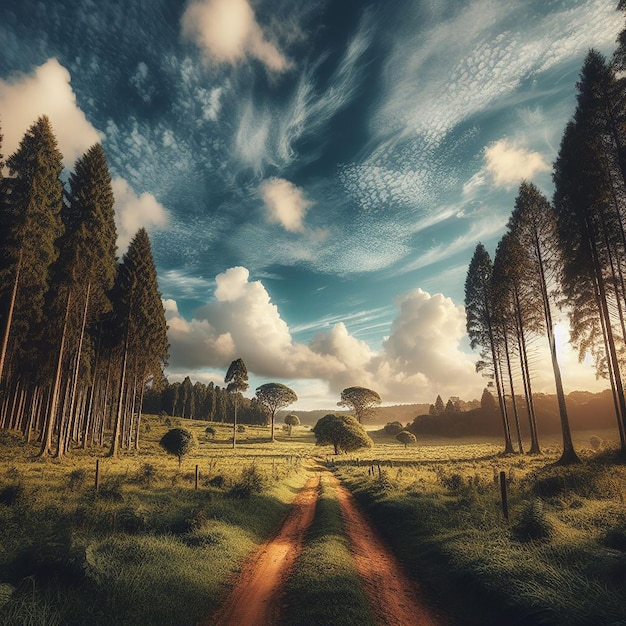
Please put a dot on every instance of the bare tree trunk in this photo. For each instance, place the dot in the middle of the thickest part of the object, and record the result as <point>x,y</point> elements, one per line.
<point>518,432</point>
<point>115,442</point>
<point>46,440</point>
<point>569,453</point>
<point>139,411</point>
<point>7,329</point>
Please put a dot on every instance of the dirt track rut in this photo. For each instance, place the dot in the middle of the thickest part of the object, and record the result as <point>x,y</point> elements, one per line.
<point>255,597</point>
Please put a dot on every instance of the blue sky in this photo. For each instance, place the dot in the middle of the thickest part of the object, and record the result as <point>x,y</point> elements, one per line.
<point>314,175</point>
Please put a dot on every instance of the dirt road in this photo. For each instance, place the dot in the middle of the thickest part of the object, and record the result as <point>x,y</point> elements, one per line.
<point>253,601</point>
<point>394,598</point>
<point>255,598</point>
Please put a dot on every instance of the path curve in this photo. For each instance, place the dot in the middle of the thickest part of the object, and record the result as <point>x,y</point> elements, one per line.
<point>254,600</point>
<point>395,599</point>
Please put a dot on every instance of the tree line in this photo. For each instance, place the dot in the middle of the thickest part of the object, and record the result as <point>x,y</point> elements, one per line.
<point>82,334</point>
<point>201,401</point>
<point>567,253</point>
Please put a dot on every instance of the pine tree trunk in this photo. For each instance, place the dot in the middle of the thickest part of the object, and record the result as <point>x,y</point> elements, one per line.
<point>518,432</point>
<point>530,407</point>
<point>7,329</point>
<point>139,412</point>
<point>569,455</point>
<point>46,442</point>
<point>115,442</point>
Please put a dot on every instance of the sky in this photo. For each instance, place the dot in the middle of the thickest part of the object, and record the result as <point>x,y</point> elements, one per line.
<point>314,175</point>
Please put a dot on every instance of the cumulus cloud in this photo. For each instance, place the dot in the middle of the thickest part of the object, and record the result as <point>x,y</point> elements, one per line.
<point>286,204</point>
<point>508,164</point>
<point>421,354</point>
<point>133,212</point>
<point>47,90</point>
<point>227,32</point>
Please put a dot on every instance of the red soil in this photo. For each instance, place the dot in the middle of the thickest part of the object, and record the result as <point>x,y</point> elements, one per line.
<point>395,599</point>
<point>254,600</point>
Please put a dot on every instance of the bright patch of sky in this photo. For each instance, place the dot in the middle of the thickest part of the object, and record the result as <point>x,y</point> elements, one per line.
<point>314,176</point>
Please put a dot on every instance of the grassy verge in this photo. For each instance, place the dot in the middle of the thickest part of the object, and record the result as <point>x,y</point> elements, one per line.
<point>325,587</point>
<point>147,548</point>
<point>561,559</point>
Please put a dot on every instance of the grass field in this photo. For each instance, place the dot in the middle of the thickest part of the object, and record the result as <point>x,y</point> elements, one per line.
<point>149,548</point>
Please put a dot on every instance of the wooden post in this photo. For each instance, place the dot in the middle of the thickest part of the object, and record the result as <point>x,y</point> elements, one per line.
<point>505,506</point>
<point>97,474</point>
<point>197,475</point>
<point>380,472</point>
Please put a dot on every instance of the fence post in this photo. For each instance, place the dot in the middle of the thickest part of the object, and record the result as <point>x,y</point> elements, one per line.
<point>505,505</point>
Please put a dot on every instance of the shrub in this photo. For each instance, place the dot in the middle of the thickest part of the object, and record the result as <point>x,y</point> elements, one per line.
<point>178,442</point>
<point>405,437</point>
<point>533,523</point>
<point>210,432</point>
<point>11,494</point>
<point>241,428</point>
<point>393,428</point>
<point>453,481</point>
<point>251,481</point>
<point>217,481</point>
<point>76,479</point>
<point>615,537</point>
<point>146,474</point>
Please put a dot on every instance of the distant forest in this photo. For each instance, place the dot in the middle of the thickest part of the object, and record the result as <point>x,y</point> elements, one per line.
<point>203,402</point>
<point>568,253</point>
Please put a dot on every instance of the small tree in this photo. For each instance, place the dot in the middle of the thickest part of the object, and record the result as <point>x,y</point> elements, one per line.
<point>237,382</point>
<point>487,401</point>
<point>342,432</point>
<point>361,400</point>
<point>291,421</point>
<point>406,437</point>
<point>177,441</point>
<point>210,432</point>
<point>274,396</point>
<point>393,428</point>
<point>439,406</point>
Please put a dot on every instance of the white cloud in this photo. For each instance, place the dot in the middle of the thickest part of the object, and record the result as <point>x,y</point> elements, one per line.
<point>509,164</point>
<point>47,90</point>
<point>133,212</point>
<point>422,356</point>
<point>227,32</point>
<point>285,203</point>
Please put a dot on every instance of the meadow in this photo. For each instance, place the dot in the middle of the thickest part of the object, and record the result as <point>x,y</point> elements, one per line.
<point>148,547</point>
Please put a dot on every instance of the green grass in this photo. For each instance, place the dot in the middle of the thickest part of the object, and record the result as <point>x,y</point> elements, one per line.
<point>147,548</point>
<point>325,587</point>
<point>556,561</point>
